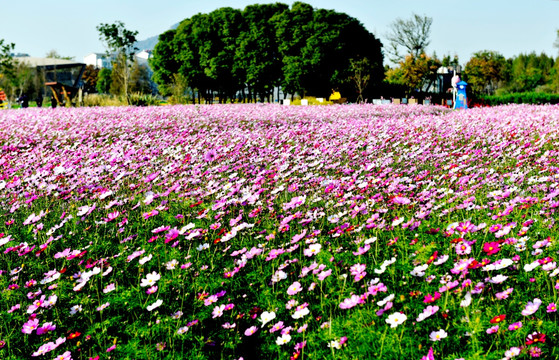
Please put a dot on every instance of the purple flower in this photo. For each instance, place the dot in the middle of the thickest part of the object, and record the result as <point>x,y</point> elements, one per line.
<point>551,308</point>
<point>210,155</point>
<point>515,326</point>
<point>46,327</point>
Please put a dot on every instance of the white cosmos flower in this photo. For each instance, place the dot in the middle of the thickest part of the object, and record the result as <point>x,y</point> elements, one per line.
<point>284,339</point>
<point>155,305</point>
<point>396,319</point>
<point>266,317</point>
<point>467,300</point>
<point>150,279</point>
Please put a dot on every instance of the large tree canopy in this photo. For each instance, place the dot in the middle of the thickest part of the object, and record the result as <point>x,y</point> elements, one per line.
<point>230,52</point>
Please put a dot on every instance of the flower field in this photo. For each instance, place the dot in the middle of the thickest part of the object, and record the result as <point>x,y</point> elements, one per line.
<point>268,232</point>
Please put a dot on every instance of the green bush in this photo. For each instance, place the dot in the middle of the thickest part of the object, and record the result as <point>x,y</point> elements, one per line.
<point>521,98</point>
<point>138,99</point>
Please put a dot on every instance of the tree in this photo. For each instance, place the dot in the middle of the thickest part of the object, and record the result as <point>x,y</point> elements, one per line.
<point>103,85</point>
<point>412,35</point>
<point>529,71</point>
<point>361,75</point>
<point>119,41</point>
<point>90,77</point>
<point>140,80</point>
<point>164,63</point>
<point>419,73</point>
<point>53,54</point>
<point>258,62</point>
<point>301,49</point>
<point>6,60</point>
<point>486,71</point>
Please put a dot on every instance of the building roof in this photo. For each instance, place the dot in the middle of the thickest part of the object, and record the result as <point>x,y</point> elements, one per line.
<point>37,61</point>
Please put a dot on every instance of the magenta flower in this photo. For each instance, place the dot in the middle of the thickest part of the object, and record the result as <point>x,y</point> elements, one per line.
<point>491,248</point>
<point>210,155</point>
<point>29,326</point>
<point>46,327</point>
<point>493,329</point>
<point>149,214</point>
<point>515,326</point>
<point>551,308</point>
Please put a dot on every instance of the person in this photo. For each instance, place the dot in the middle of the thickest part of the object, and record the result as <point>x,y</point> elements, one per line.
<point>335,95</point>
<point>40,100</point>
<point>23,101</point>
<point>53,101</point>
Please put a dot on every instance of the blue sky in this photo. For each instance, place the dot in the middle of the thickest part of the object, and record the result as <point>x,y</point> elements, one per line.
<point>510,27</point>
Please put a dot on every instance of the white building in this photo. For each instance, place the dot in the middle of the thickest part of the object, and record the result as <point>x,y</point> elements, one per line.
<point>99,60</point>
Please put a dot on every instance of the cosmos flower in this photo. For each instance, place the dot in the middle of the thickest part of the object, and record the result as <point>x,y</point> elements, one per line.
<point>396,319</point>
<point>156,304</point>
<point>150,279</point>
<point>438,335</point>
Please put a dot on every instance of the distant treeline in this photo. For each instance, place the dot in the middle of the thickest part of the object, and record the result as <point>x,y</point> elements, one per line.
<point>246,54</point>
<point>491,73</point>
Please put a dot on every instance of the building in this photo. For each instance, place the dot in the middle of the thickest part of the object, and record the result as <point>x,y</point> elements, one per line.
<point>98,60</point>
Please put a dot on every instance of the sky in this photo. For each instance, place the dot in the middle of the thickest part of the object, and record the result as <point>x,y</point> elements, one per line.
<point>459,28</point>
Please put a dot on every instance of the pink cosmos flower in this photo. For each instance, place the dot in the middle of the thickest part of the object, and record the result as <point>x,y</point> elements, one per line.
<point>531,307</point>
<point>463,248</point>
<point>210,155</point>
<point>515,326</point>
<point>112,216</point>
<point>324,274</point>
<point>491,248</point>
<point>551,308</point>
<point>294,288</point>
<point>66,356</point>
<point>149,214</point>
<point>29,326</point>
<point>251,330</point>
<point>429,356</point>
<point>277,326</point>
<point>46,327</point>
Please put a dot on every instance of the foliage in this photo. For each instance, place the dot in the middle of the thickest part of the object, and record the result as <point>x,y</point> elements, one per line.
<point>415,73</point>
<point>361,75</point>
<point>53,54</point>
<point>179,90</point>
<point>410,36</point>
<point>104,79</point>
<point>90,78</point>
<point>143,99</point>
<point>163,61</point>
<point>529,72</point>
<point>119,41</point>
<point>230,53</point>
<point>486,71</point>
<point>19,79</point>
<point>102,99</point>
<point>521,98</point>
